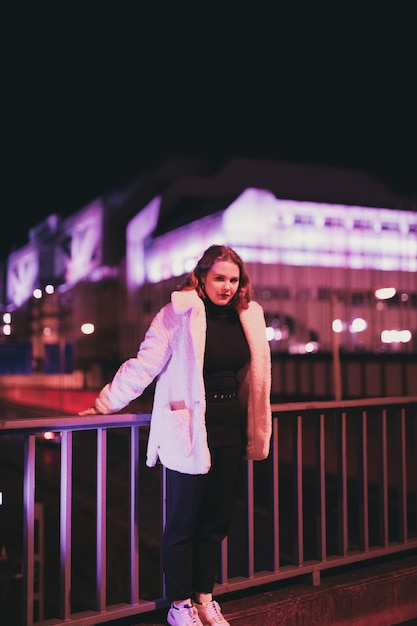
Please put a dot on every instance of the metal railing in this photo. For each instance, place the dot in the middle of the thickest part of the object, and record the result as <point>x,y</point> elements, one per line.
<point>339,487</point>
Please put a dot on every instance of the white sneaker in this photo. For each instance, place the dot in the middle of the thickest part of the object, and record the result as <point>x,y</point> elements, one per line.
<point>183,616</point>
<point>210,614</point>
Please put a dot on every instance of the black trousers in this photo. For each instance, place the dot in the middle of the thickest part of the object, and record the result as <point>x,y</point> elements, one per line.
<point>199,513</point>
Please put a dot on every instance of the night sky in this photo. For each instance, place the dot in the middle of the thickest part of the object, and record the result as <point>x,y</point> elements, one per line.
<point>97,92</point>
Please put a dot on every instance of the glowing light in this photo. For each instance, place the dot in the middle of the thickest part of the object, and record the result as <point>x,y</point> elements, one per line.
<point>265,229</point>
<point>385,293</point>
<point>49,289</point>
<point>303,348</point>
<point>48,436</point>
<point>278,334</point>
<point>86,240</point>
<point>138,229</point>
<point>189,264</point>
<point>37,293</point>
<point>22,274</point>
<point>87,328</point>
<point>47,331</point>
<point>358,325</point>
<point>7,318</point>
<point>338,326</point>
<point>396,336</point>
<point>7,329</point>
<point>177,267</point>
<point>270,332</point>
<point>154,272</point>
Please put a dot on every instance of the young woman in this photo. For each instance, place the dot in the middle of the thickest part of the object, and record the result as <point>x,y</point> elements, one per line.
<point>208,351</point>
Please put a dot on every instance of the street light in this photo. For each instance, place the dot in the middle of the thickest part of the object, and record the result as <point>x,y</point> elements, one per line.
<point>357,325</point>
<point>337,376</point>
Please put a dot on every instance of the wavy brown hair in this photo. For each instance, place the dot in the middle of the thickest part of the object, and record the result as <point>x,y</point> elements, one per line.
<point>215,253</point>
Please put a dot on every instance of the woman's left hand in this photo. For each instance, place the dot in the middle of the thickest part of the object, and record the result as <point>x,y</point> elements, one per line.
<point>91,411</point>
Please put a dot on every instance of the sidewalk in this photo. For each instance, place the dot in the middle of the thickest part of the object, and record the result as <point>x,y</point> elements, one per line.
<point>379,595</point>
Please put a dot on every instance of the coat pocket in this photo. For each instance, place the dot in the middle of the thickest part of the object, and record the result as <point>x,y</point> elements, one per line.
<point>178,431</point>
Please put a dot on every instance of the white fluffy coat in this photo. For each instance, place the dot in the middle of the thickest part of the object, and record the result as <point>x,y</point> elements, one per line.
<point>173,352</point>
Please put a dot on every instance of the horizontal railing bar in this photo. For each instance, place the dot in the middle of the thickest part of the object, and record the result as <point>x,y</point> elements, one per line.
<point>292,407</point>
<point>294,571</point>
<point>70,422</point>
<point>76,422</point>
<point>119,611</point>
<point>88,618</point>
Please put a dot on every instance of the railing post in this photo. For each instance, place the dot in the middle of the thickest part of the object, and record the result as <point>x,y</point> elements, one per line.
<point>163,520</point>
<point>101,551</point>
<point>28,529</point>
<point>342,483</point>
<point>134,522</point>
<point>384,531</point>
<point>65,523</point>
<point>364,477</point>
<point>321,489</point>
<point>298,490</point>
<point>402,508</point>
<point>250,514</point>
<point>275,493</point>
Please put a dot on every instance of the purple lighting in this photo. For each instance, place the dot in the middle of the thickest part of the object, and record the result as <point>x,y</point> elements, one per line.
<point>268,230</point>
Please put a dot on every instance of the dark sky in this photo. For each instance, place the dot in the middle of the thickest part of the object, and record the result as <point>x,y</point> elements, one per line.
<point>95,92</point>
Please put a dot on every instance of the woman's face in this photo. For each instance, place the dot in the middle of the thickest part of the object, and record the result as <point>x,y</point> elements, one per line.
<point>221,282</point>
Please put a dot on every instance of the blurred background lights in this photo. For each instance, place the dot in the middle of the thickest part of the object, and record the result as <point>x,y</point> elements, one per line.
<point>87,328</point>
<point>7,318</point>
<point>270,333</point>
<point>311,346</point>
<point>304,348</point>
<point>48,436</point>
<point>395,336</point>
<point>385,293</point>
<point>37,293</point>
<point>358,325</point>
<point>189,264</point>
<point>337,326</point>
<point>49,289</point>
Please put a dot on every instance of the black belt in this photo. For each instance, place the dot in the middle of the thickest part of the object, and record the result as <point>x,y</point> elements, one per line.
<point>217,395</point>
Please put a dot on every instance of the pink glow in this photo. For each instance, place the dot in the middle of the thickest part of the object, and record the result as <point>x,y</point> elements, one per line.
<point>265,229</point>
<point>86,240</point>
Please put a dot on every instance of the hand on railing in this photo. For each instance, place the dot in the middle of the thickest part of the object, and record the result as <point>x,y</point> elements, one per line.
<point>90,411</point>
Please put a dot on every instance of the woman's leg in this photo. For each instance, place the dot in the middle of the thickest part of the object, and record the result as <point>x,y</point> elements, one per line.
<point>184,494</point>
<point>214,516</point>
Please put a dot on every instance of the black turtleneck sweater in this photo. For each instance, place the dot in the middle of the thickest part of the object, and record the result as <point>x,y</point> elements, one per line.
<point>226,353</point>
